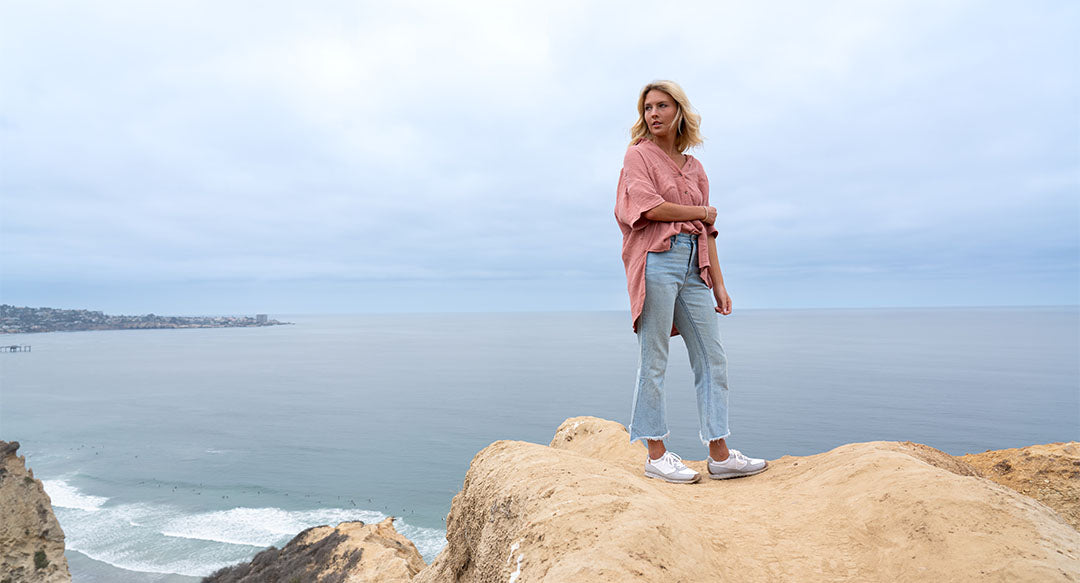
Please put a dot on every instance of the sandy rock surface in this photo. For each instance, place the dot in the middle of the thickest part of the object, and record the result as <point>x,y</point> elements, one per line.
<point>353,552</point>
<point>581,510</point>
<point>31,542</point>
<point>1048,473</point>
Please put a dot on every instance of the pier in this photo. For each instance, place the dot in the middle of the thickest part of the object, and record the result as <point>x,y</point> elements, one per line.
<point>15,348</point>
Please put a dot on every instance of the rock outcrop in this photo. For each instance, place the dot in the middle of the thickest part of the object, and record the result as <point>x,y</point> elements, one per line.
<point>581,510</point>
<point>353,552</point>
<point>31,542</point>
<point>1048,473</point>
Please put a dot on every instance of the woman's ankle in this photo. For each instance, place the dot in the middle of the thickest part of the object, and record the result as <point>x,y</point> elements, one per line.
<point>718,450</point>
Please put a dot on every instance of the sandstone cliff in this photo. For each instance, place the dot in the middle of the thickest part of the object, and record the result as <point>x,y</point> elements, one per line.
<point>31,542</point>
<point>1048,473</point>
<point>353,552</point>
<point>580,510</point>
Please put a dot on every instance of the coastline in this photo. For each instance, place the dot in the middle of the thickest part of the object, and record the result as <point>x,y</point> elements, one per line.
<point>26,320</point>
<point>954,498</point>
<point>577,509</point>
<point>86,569</point>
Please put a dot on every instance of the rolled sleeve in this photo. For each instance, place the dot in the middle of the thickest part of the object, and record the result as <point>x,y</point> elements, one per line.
<point>703,185</point>
<point>637,194</point>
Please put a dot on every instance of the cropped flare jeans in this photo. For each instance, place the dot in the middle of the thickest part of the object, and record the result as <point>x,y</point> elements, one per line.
<point>675,293</point>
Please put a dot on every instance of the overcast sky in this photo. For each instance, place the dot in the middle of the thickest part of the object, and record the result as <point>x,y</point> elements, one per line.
<point>205,157</point>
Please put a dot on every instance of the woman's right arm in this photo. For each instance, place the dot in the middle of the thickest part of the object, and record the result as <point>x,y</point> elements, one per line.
<point>638,200</point>
<point>669,212</point>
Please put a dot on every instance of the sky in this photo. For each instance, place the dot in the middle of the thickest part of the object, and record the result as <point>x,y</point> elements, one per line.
<point>204,157</point>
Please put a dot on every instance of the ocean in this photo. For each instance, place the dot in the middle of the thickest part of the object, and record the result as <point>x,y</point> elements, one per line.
<point>171,453</point>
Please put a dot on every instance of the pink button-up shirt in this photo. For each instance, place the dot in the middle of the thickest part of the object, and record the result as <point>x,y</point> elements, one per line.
<point>649,177</point>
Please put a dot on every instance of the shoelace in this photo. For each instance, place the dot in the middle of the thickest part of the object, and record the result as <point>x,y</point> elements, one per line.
<point>674,459</point>
<point>736,456</point>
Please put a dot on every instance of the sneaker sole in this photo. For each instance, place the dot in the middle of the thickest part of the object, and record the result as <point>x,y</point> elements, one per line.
<point>669,480</point>
<point>739,475</point>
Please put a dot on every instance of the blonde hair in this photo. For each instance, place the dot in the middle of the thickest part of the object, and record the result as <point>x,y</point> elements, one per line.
<point>688,123</point>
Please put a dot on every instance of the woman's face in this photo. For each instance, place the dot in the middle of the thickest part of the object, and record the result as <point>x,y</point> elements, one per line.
<point>660,110</point>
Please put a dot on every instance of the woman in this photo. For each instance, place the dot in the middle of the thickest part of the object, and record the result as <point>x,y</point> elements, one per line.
<point>669,248</point>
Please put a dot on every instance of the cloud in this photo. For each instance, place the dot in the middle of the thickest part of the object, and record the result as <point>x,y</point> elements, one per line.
<point>421,141</point>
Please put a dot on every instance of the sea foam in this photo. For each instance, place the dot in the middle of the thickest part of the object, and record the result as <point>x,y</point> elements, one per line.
<point>160,538</point>
<point>259,527</point>
<point>64,495</point>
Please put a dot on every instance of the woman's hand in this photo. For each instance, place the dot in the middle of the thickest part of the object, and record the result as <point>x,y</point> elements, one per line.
<point>710,215</point>
<point>723,300</point>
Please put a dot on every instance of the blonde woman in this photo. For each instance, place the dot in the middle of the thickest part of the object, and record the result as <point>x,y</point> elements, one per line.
<point>674,280</point>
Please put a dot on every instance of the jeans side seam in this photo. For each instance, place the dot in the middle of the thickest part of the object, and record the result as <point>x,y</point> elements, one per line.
<point>707,400</point>
<point>642,349</point>
<point>640,380</point>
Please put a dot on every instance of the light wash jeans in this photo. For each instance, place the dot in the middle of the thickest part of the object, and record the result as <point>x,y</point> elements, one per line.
<point>674,291</point>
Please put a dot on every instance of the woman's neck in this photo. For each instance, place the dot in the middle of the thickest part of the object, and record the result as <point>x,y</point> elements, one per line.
<point>667,144</point>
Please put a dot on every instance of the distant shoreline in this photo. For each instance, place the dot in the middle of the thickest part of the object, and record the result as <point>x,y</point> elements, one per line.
<point>26,320</point>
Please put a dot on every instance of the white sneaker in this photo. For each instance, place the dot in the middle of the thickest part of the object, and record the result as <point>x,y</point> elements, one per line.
<point>735,466</point>
<point>670,469</point>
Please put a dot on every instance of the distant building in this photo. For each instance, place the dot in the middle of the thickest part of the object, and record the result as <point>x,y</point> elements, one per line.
<point>260,318</point>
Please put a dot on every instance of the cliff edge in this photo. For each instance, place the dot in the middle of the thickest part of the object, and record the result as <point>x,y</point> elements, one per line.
<point>31,542</point>
<point>581,510</point>
<point>1049,473</point>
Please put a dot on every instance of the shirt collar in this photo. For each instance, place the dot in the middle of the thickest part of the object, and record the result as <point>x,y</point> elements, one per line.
<point>686,166</point>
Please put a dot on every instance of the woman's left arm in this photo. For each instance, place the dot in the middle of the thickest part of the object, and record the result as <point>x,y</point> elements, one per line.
<point>723,300</point>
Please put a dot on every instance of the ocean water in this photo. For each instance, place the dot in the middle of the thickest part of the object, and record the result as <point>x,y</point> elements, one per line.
<point>171,453</point>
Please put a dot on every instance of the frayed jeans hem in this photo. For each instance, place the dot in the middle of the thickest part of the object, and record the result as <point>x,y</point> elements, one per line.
<point>645,438</point>
<point>706,442</point>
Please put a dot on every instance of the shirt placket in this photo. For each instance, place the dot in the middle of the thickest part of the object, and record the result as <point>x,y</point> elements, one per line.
<point>684,188</point>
